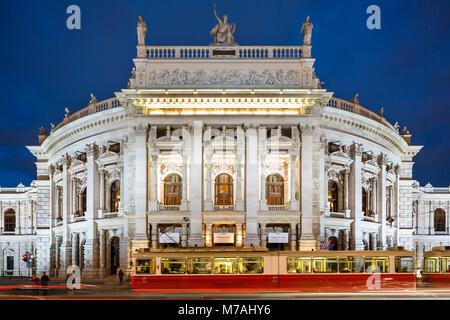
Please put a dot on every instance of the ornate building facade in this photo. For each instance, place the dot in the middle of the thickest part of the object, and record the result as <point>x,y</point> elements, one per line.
<point>222,145</point>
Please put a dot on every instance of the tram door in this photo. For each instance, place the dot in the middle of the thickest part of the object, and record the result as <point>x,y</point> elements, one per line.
<point>115,251</point>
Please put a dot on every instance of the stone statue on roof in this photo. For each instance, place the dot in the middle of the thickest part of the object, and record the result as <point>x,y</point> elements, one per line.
<point>93,99</point>
<point>355,98</point>
<point>381,112</point>
<point>223,32</point>
<point>405,131</point>
<point>396,126</point>
<point>43,131</point>
<point>307,31</point>
<point>67,112</point>
<point>141,31</point>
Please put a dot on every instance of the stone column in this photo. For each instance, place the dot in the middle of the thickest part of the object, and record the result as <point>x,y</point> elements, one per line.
<point>238,235</point>
<point>381,207</point>
<point>74,199</point>
<point>293,240</point>
<point>209,235</point>
<point>208,201</point>
<point>58,272</point>
<point>154,235</point>
<point>294,201</point>
<point>307,241</point>
<point>374,193</point>
<point>92,198</point>
<point>345,239</point>
<point>431,217</point>
<point>263,202</point>
<point>140,239</point>
<point>195,188</point>
<point>102,252</point>
<point>184,235</point>
<point>184,202</point>
<point>263,235</point>
<point>75,249</point>
<point>66,246</point>
<point>102,193</point>
<point>251,183</point>
<point>355,195</point>
<point>346,209</point>
<point>154,185</point>
<point>373,241</point>
<point>239,202</point>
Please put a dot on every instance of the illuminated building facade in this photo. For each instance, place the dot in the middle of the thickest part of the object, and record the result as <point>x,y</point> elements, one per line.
<point>222,145</point>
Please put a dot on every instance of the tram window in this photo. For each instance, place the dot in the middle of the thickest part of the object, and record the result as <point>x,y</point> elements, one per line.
<point>298,265</point>
<point>251,265</point>
<point>377,264</point>
<point>445,263</point>
<point>225,265</point>
<point>431,264</point>
<point>145,266</point>
<point>325,265</point>
<point>173,265</point>
<point>199,265</point>
<point>351,264</point>
<point>404,264</point>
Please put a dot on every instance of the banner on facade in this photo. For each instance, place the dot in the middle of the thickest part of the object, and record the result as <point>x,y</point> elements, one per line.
<point>169,237</point>
<point>223,237</point>
<point>278,237</point>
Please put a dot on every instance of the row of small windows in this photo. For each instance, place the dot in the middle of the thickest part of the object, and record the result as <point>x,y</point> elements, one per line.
<point>293,265</point>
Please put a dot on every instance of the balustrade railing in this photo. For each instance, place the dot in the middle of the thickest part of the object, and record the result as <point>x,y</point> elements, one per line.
<point>224,208</point>
<point>90,109</point>
<point>278,208</point>
<point>208,52</point>
<point>168,207</point>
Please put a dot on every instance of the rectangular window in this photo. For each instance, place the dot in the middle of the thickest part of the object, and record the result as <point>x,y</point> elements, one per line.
<point>431,264</point>
<point>145,266</point>
<point>404,264</point>
<point>251,265</point>
<point>298,265</point>
<point>351,264</point>
<point>225,265</point>
<point>199,265</point>
<point>445,264</point>
<point>173,265</point>
<point>9,263</point>
<point>377,264</point>
<point>325,265</point>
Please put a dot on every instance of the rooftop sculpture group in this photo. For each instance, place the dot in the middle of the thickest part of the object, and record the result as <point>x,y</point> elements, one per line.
<point>223,32</point>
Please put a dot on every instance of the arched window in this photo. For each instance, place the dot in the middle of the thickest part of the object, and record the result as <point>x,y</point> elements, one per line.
<point>10,220</point>
<point>224,189</point>
<point>439,220</point>
<point>172,190</point>
<point>332,196</point>
<point>115,196</point>
<point>365,199</point>
<point>83,202</point>
<point>275,190</point>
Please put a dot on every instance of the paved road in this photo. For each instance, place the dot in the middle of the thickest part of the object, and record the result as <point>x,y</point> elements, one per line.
<point>113,291</point>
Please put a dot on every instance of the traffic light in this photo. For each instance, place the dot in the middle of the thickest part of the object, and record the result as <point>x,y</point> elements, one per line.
<point>25,257</point>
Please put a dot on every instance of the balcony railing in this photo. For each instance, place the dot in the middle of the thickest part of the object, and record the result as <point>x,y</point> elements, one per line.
<point>210,52</point>
<point>162,207</point>
<point>278,208</point>
<point>224,208</point>
<point>90,109</point>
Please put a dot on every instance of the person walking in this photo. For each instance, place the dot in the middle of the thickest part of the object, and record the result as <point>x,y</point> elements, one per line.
<point>121,276</point>
<point>44,283</point>
<point>69,286</point>
<point>35,285</point>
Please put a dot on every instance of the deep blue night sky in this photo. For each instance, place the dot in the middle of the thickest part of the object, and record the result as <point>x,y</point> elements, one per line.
<point>403,67</point>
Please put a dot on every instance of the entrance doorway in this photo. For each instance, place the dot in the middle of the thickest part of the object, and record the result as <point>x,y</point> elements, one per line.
<point>115,251</point>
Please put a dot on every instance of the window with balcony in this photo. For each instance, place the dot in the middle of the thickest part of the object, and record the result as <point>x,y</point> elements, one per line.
<point>275,190</point>
<point>172,190</point>
<point>332,196</point>
<point>365,200</point>
<point>224,189</point>
<point>115,196</point>
<point>439,220</point>
<point>83,202</point>
<point>10,220</point>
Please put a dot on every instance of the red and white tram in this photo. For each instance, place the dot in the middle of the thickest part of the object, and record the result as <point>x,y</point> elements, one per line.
<point>436,268</point>
<point>260,269</point>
